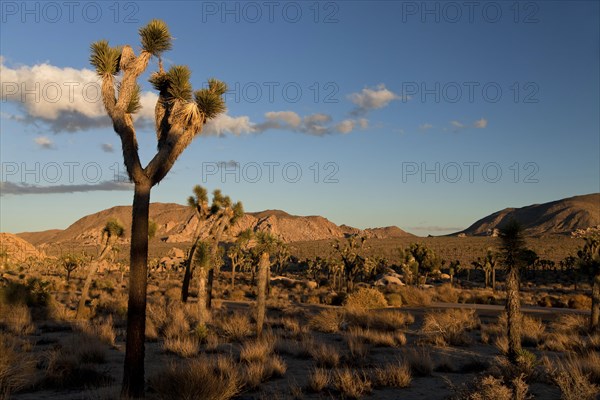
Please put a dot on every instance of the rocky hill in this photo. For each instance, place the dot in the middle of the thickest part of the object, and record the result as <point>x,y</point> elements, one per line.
<point>561,217</point>
<point>15,249</point>
<point>177,223</point>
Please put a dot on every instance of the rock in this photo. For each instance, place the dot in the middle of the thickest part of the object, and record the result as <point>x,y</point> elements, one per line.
<point>445,277</point>
<point>387,280</point>
<point>310,284</point>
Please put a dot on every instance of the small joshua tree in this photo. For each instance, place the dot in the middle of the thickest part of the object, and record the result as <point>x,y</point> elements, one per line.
<point>238,253</point>
<point>112,231</point>
<point>180,115</point>
<point>216,219</point>
<point>70,262</point>
<point>512,247</point>
<point>353,261</point>
<point>589,261</point>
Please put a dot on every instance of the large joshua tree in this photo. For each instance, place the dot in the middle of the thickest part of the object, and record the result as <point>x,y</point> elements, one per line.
<point>589,261</point>
<point>512,247</point>
<point>180,115</point>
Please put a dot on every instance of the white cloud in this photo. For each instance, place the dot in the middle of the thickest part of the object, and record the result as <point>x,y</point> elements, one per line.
<point>425,127</point>
<point>457,124</point>
<point>371,98</point>
<point>225,123</point>
<point>345,126</point>
<point>44,142</point>
<point>481,123</point>
<point>289,118</point>
<point>363,123</point>
<point>67,99</point>
<point>107,147</point>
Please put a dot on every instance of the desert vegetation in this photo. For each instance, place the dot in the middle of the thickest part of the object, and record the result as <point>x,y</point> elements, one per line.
<point>354,326</point>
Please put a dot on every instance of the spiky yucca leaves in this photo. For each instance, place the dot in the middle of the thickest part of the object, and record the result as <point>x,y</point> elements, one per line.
<point>134,103</point>
<point>209,100</point>
<point>113,228</point>
<point>217,86</point>
<point>105,58</point>
<point>155,37</point>
<point>238,212</point>
<point>200,197</point>
<point>202,258</point>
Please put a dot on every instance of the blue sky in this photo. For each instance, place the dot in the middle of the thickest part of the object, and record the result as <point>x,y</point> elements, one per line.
<point>424,115</point>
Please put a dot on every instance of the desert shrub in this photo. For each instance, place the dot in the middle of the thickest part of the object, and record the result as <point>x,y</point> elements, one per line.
<point>351,384</point>
<point>412,296</point>
<point>318,379</point>
<point>199,378</point>
<point>395,375</point>
<point>328,321</point>
<point>449,327</point>
<point>573,382</point>
<point>34,293</point>
<point>236,326</point>
<point>580,302</point>
<point>571,324</point>
<point>177,325</point>
<point>394,299</point>
<point>365,298</point>
<point>17,368</point>
<point>71,366</point>
<point>446,293</point>
<point>17,319</point>
<point>532,329</point>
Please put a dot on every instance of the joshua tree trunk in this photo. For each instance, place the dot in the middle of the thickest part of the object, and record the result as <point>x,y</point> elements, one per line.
<point>202,295</point>
<point>263,266</point>
<point>90,277</point>
<point>513,312</point>
<point>209,287</point>
<point>232,276</point>
<point>493,279</point>
<point>185,286</point>
<point>133,377</point>
<point>595,317</point>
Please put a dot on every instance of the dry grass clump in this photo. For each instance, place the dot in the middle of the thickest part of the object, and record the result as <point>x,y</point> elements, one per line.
<point>561,342</point>
<point>17,319</point>
<point>257,372</point>
<point>318,379</point>
<point>234,327</point>
<point>491,388</point>
<point>325,355</point>
<point>365,298</point>
<point>571,324</point>
<point>574,383</point>
<point>351,383</point>
<point>257,350</point>
<point>327,321</point>
<point>419,361</point>
<point>199,378</point>
<point>16,367</point>
<point>71,366</point>
<point>413,296</point>
<point>357,347</point>
<point>449,327</point>
<point>102,329</point>
<point>379,338</point>
<point>396,375</point>
<point>184,346</point>
<point>177,324</point>
<point>388,320</point>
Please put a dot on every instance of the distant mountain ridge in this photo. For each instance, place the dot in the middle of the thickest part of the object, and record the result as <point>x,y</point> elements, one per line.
<point>177,223</point>
<point>560,217</point>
